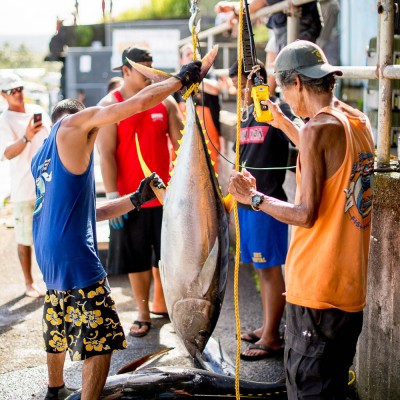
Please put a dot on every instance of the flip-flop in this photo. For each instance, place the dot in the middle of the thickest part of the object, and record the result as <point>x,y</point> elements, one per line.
<point>269,352</point>
<point>140,324</point>
<point>253,337</point>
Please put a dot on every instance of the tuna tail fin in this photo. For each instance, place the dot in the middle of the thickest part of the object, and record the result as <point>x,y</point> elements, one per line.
<point>141,362</point>
<point>154,74</point>
<point>208,60</point>
<point>160,193</point>
<point>159,76</point>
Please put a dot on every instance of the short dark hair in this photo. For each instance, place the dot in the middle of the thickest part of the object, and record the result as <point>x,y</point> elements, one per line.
<point>234,68</point>
<point>67,106</point>
<point>317,85</point>
<point>114,82</point>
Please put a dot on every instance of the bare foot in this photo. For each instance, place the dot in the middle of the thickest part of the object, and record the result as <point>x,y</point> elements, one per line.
<point>140,328</point>
<point>33,291</point>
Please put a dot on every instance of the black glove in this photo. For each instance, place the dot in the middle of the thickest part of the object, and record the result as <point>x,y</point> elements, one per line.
<point>145,193</point>
<point>189,74</point>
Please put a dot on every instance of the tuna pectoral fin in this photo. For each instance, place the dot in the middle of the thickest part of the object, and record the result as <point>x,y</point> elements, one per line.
<point>228,202</point>
<point>207,272</point>
<point>160,193</point>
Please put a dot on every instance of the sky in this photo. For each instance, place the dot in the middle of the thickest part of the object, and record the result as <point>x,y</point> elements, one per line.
<point>38,17</point>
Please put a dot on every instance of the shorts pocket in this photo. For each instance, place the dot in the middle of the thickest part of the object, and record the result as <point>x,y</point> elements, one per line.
<point>303,365</point>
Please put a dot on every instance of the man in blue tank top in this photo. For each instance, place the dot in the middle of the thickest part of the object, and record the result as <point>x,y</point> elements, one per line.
<point>79,312</point>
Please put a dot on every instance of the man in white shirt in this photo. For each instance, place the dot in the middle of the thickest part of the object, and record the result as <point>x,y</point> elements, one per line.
<point>20,138</point>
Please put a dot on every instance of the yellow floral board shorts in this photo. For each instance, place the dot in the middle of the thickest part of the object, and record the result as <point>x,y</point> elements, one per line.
<point>83,321</point>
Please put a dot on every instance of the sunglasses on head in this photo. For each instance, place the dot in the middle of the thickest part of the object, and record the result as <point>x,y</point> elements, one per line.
<point>13,91</point>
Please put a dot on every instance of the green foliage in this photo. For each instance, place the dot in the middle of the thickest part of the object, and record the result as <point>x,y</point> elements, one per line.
<point>156,9</point>
<point>261,33</point>
<point>84,35</point>
<point>21,57</point>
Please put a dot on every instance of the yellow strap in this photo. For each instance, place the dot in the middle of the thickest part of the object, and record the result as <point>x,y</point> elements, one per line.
<point>160,193</point>
<point>235,209</point>
<point>195,86</point>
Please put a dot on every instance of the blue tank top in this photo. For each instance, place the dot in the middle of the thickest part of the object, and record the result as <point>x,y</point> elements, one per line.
<point>64,221</point>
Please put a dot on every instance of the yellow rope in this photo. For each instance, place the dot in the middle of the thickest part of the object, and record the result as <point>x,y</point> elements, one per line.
<point>235,209</point>
<point>195,41</point>
<point>352,377</point>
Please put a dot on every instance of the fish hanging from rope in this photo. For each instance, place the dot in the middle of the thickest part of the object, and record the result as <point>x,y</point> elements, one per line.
<point>194,235</point>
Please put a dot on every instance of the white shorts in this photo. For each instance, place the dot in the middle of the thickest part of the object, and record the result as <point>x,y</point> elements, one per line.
<point>23,214</point>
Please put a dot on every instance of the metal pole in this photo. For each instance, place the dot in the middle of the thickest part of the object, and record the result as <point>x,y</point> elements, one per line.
<point>293,23</point>
<point>386,17</point>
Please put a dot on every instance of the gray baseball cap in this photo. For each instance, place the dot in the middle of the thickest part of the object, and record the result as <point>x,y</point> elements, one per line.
<point>306,58</point>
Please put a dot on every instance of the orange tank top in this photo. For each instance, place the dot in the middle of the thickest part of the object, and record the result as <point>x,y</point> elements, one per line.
<point>326,266</point>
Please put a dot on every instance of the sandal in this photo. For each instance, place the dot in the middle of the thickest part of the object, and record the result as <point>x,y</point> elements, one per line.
<point>140,324</point>
<point>253,338</point>
<point>269,352</point>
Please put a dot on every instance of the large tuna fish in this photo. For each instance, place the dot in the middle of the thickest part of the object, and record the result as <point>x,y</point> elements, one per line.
<point>194,237</point>
<point>194,240</point>
<point>177,383</point>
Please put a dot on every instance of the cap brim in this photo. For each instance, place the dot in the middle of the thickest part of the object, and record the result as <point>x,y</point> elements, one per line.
<point>319,71</point>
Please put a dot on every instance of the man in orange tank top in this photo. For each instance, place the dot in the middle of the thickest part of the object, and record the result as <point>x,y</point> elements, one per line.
<point>135,238</point>
<point>326,266</point>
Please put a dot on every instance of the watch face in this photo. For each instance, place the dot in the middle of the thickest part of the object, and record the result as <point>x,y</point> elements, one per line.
<point>256,200</point>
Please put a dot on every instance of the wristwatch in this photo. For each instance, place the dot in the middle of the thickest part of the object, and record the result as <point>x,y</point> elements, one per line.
<point>24,139</point>
<point>256,201</point>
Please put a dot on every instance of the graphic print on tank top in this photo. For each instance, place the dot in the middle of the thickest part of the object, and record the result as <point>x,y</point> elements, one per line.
<point>43,177</point>
<point>359,192</point>
<point>253,134</point>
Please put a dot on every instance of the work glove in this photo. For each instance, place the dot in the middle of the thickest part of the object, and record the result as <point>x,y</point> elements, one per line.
<point>189,74</point>
<point>118,222</point>
<point>145,193</point>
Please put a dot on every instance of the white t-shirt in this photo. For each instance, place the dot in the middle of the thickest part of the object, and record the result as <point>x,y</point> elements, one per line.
<point>12,128</point>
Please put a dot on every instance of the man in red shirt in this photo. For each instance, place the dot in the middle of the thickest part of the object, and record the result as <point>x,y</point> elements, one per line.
<point>135,237</point>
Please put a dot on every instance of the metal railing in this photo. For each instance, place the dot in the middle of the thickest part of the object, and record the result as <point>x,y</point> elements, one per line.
<point>384,71</point>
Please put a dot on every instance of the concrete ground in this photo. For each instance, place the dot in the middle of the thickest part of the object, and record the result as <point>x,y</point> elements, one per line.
<point>23,373</point>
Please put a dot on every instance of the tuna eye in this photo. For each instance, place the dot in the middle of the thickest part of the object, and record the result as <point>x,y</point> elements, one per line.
<point>203,333</point>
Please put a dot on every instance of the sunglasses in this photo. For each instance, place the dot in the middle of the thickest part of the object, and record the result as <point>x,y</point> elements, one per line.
<point>11,92</point>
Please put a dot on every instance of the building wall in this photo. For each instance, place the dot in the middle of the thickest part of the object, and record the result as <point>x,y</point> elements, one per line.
<point>378,357</point>
<point>355,33</point>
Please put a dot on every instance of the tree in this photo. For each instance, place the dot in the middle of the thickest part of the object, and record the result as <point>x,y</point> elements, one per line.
<point>21,57</point>
<point>155,9</point>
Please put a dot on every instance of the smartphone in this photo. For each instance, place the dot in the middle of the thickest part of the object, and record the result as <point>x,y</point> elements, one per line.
<point>37,118</point>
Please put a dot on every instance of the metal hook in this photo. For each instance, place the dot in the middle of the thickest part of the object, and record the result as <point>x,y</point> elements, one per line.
<point>194,20</point>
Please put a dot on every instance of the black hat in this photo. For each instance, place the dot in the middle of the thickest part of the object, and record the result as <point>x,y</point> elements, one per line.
<point>306,58</point>
<point>135,54</point>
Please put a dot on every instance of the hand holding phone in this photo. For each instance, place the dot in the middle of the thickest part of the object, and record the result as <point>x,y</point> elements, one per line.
<point>37,118</point>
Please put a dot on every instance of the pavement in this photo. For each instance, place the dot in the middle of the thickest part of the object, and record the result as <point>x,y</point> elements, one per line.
<point>23,371</point>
